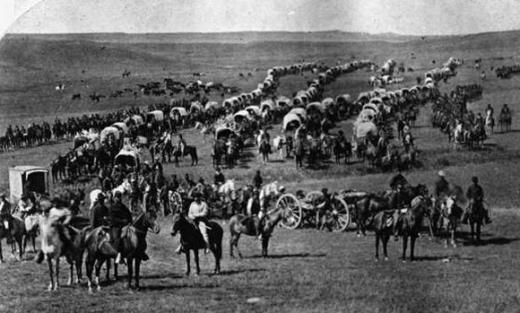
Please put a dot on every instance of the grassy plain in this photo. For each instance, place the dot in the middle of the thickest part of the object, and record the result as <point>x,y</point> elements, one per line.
<point>308,271</point>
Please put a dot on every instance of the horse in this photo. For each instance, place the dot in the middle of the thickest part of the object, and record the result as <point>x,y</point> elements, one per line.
<point>55,243</point>
<point>188,150</point>
<point>99,249</point>
<point>475,215</point>
<point>268,192</point>
<point>451,214</point>
<point>16,233</point>
<point>408,225</point>
<point>124,188</point>
<point>191,239</point>
<point>133,243</point>
<point>342,148</point>
<point>299,152</point>
<point>265,149</point>
<point>242,224</point>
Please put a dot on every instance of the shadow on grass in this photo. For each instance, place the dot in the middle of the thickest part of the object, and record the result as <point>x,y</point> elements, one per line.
<point>286,256</point>
<point>234,272</point>
<point>173,287</point>
<point>441,257</point>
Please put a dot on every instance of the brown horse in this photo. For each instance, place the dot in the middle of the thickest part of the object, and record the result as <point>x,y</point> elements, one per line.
<point>408,225</point>
<point>99,249</point>
<point>241,224</point>
<point>191,239</point>
<point>16,234</point>
<point>133,243</point>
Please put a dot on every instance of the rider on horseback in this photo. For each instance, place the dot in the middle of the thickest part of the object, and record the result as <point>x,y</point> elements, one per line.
<point>198,213</point>
<point>181,144</point>
<point>475,194</point>
<point>442,187</point>
<point>120,216</point>
<point>26,206</point>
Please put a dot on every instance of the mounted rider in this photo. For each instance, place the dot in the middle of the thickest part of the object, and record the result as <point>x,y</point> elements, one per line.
<point>198,214</point>
<point>442,186</point>
<point>257,180</point>
<point>120,216</point>
<point>100,215</point>
<point>397,183</point>
<point>26,206</point>
<point>475,195</point>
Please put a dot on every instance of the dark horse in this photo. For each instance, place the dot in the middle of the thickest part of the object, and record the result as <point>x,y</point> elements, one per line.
<point>368,206</point>
<point>265,149</point>
<point>241,224</point>
<point>409,224</point>
<point>188,150</point>
<point>475,214</point>
<point>17,233</point>
<point>191,239</point>
<point>133,243</point>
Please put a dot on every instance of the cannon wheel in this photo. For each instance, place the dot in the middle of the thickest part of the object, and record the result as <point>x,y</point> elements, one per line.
<point>293,211</point>
<point>340,214</point>
<point>340,217</point>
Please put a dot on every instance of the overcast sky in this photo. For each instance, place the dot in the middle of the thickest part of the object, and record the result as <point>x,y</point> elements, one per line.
<point>424,17</point>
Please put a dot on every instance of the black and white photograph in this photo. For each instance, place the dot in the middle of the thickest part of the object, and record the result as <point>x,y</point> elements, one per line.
<point>259,156</point>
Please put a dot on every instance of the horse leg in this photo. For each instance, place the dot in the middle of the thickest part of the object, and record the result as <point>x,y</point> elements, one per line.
<point>71,270</point>
<point>137,272</point>
<point>478,231</point>
<point>472,227</point>
<point>116,276</point>
<point>188,263</point>
<point>385,239</point>
<point>405,245</point>
<point>129,265</point>
<point>51,274</point>
<point>412,246</point>
<point>453,235</point>
<point>196,254</point>
<point>107,274</point>
<point>265,245</point>
<point>57,283</point>
<point>377,245</point>
<point>89,264</point>
<point>99,264</point>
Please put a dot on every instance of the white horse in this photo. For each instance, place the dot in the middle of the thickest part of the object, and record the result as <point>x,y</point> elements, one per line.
<point>227,188</point>
<point>269,192</point>
<point>124,188</point>
<point>278,143</point>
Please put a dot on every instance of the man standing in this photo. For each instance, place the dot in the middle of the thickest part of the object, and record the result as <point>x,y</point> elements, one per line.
<point>475,194</point>
<point>257,180</point>
<point>198,213</point>
<point>219,178</point>
<point>120,216</point>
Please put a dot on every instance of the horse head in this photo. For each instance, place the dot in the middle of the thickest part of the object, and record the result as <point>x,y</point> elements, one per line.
<point>148,221</point>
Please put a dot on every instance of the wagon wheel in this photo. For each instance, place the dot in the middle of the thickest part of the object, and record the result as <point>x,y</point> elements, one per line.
<point>340,214</point>
<point>293,211</point>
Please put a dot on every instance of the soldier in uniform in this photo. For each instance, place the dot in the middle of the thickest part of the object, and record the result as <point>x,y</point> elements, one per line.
<point>475,195</point>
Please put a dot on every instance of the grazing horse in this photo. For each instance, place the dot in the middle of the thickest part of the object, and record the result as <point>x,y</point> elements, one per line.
<point>188,150</point>
<point>191,239</point>
<point>241,224</point>
<point>17,233</point>
<point>409,225</point>
<point>133,243</point>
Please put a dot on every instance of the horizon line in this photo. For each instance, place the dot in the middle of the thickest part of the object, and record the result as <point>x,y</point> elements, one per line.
<point>267,32</point>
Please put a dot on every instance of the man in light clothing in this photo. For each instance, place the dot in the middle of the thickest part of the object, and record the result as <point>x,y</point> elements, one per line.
<point>198,213</point>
